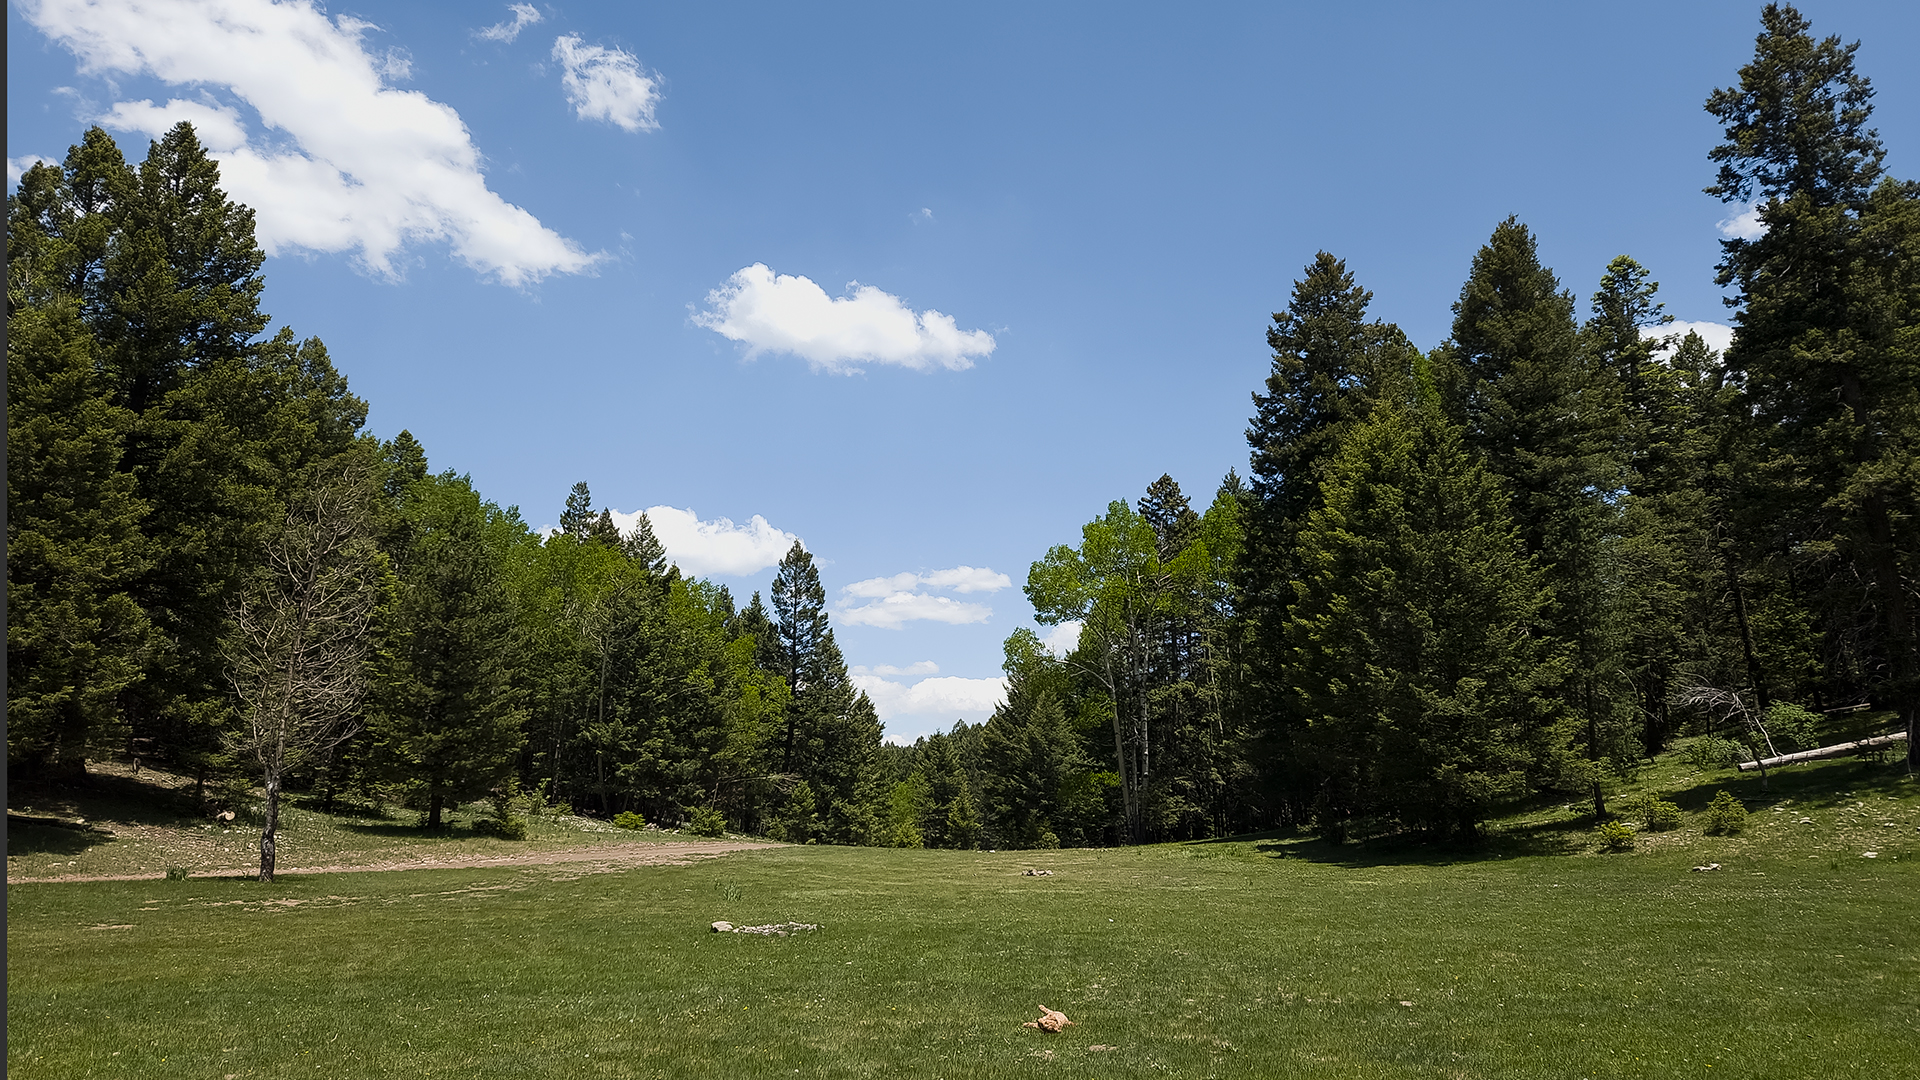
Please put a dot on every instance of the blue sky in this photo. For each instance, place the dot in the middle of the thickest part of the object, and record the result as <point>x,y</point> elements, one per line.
<point>565,243</point>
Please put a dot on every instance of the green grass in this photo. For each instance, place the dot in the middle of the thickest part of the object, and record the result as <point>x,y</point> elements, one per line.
<point>142,824</point>
<point>1271,958</point>
<point>1528,956</point>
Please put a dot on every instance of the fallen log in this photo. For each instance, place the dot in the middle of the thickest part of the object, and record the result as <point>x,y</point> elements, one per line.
<point>1836,750</point>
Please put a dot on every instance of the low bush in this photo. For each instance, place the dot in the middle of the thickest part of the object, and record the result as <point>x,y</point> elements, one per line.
<point>177,873</point>
<point>1658,814</point>
<point>706,821</point>
<point>1725,814</point>
<point>1615,836</point>
<point>506,829</point>
<point>1714,752</point>
<point>1792,727</point>
<point>630,819</point>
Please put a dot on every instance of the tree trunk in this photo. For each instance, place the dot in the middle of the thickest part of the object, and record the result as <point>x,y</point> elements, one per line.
<point>272,826</point>
<point>434,803</point>
<point>1746,638</point>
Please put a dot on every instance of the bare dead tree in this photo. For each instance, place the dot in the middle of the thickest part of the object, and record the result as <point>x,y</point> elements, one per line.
<point>296,653</point>
<point>1732,708</point>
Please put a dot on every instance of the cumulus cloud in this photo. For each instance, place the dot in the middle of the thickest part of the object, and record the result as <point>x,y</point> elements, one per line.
<point>1745,225</point>
<point>1717,335</point>
<point>782,313</point>
<point>17,167</point>
<point>964,579</point>
<point>1063,638</point>
<point>606,84</point>
<point>524,15</point>
<point>897,600</point>
<point>930,704</point>
<point>220,128</point>
<point>355,165</point>
<point>718,546</point>
<point>895,610</point>
<point>918,667</point>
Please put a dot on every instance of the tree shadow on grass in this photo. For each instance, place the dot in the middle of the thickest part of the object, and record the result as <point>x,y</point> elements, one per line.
<point>1813,785</point>
<point>28,835</point>
<point>139,799</point>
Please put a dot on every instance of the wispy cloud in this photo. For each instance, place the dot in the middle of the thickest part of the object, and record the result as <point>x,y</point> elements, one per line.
<point>524,15</point>
<point>1063,638</point>
<point>606,84</point>
<point>1745,225</point>
<point>911,710</point>
<point>1717,335</point>
<point>918,667</point>
<point>897,600</point>
<point>781,313</point>
<point>717,546</point>
<point>357,165</point>
<point>17,167</point>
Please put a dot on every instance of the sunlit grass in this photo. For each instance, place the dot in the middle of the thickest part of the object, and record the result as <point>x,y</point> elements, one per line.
<point>1243,958</point>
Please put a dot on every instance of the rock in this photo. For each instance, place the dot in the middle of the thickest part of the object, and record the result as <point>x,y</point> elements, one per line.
<point>224,817</point>
<point>1709,866</point>
<point>723,928</point>
<point>1869,854</point>
<point>1051,1021</point>
<point>1039,873</point>
<point>770,930</point>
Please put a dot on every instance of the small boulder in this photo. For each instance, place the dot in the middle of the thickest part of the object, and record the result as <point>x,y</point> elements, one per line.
<point>723,927</point>
<point>1051,1021</point>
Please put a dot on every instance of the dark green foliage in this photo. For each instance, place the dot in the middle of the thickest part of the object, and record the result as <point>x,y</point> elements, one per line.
<point>1825,357</point>
<point>707,821</point>
<point>75,638</point>
<point>1416,667</point>
<point>1724,815</point>
<point>446,716</point>
<point>1614,836</point>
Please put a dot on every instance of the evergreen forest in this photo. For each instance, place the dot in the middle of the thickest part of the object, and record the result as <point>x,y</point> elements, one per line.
<point>1509,567</point>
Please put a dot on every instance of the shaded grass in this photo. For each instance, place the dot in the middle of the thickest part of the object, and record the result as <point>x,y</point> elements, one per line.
<point>1190,960</point>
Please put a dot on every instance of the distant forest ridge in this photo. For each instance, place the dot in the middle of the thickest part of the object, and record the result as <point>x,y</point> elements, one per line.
<point>1512,566</point>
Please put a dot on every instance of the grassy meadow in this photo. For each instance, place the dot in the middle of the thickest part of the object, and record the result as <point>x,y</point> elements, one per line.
<point>1530,956</point>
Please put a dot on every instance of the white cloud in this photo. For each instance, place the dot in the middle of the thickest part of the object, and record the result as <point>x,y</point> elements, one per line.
<point>918,667</point>
<point>896,600</point>
<point>718,546</point>
<point>606,84</point>
<point>524,15</point>
<point>364,167</point>
<point>17,167</point>
<point>788,314</point>
<point>964,579</point>
<point>1745,225</point>
<point>934,703</point>
<point>1063,638</point>
<point>895,610</point>
<point>1717,335</point>
<point>220,128</point>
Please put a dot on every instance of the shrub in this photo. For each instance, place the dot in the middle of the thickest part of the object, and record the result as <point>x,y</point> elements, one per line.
<point>1714,752</point>
<point>1725,814</point>
<point>177,873</point>
<point>510,829</point>
<point>630,819</point>
<point>706,821</point>
<point>1791,727</point>
<point>1658,814</point>
<point>1615,836</point>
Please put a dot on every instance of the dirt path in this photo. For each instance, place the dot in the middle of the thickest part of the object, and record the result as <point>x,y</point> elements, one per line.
<point>604,856</point>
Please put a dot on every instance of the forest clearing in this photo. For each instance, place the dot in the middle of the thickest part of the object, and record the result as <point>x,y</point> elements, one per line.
<point>1532,955</point>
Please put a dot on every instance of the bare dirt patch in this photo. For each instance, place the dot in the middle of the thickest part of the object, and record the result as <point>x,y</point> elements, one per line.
<point>599,859</point>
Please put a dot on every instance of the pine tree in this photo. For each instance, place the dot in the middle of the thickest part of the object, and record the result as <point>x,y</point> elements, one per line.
<point>75,638</point>
<point>577,520</point>
<point>1416,667</point>
<point>1824,352</point>
<point>799,641</point>
<point>446,717</point>
<point>643,547</point>
<point>1545,411</point>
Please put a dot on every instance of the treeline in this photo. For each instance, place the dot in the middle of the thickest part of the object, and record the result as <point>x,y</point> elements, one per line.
<point>214,568</point>
<point>1517,563</point>
<point>1511,565</point>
